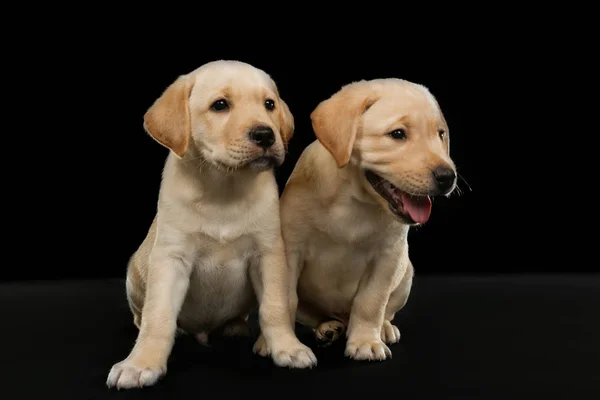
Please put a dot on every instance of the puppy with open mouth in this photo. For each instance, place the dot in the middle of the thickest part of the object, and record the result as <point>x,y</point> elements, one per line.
<point>214,249</point>
<point>382,152</point>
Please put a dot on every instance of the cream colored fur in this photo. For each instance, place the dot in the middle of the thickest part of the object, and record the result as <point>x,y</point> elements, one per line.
<point>347,251</point>
<point>214,249</point>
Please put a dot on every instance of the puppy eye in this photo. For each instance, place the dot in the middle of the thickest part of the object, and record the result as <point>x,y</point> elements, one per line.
<point>398,134</point>
<point>442,133</point>
<point>269,104</point>
<point>220,105</point>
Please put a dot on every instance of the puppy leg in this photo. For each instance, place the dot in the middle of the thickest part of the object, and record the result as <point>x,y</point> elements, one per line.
<point>168,281</point>
<point>390,334</point>
<point>137,320</point>
<point>368,310</point>
<point>134,299</point>
<point>294,265</point>
<point>328,332</point>
<point>325,332</point>
<point>270,279</point>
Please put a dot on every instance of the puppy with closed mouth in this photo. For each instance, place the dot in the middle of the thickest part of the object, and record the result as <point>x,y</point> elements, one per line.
<point>214,249</point>
<point>382,152</point>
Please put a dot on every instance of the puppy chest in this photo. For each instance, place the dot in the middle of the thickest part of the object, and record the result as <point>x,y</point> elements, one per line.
<point>220,287</point>
<point>232,226</point>
<point>221,284</point>
<point>333,274</point>
<point>225,261</point>
<point>335,258</point>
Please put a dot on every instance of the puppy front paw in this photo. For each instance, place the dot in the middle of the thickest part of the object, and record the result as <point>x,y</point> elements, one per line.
<point>328,332</point>
<point>369,349</point>
<point>129,374</point>
<point>286,353</point>
<point>390,333</point>
<point>294,355</point>
<point>261,348</point>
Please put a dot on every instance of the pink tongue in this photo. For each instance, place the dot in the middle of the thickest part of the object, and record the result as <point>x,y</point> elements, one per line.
<point>418,207</point>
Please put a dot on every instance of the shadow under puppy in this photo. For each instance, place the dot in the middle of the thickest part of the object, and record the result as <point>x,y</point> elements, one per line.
<point>382,150</point>
<point>214,248</point>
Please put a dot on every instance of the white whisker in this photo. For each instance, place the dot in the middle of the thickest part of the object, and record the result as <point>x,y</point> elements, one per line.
<point>465,181</point>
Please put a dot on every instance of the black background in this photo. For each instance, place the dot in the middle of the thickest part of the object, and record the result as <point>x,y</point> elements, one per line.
<point>100,172</point>
<point>83,179</point>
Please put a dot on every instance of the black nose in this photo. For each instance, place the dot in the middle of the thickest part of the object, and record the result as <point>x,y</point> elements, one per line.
<point>444,178</point>
<point>262,136</point>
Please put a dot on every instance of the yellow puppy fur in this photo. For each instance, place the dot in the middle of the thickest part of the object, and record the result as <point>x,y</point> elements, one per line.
<point>382,150</point>
<point>214,249</point>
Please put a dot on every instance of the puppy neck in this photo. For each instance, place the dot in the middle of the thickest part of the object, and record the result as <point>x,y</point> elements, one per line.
<point>212,182</point>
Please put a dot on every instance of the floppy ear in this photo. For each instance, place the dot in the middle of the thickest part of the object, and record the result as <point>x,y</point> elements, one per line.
<point>286,122</point>
<point>168,119</point>
<point>335,121</point>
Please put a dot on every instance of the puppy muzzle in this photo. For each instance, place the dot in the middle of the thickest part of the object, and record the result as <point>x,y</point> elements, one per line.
<point>265,162</point>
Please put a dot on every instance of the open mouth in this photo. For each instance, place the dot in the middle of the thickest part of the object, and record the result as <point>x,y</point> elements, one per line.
<point>411,208</point>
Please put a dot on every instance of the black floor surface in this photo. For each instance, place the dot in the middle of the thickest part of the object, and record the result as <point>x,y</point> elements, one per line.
<point>462,337</point>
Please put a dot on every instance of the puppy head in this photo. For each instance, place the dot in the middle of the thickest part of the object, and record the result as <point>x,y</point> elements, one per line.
<point>226,113</point>
<point>395,132</point>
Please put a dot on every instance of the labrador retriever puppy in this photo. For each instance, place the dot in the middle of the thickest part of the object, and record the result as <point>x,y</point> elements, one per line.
<point>214,249</point>
<point>382,151</point>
